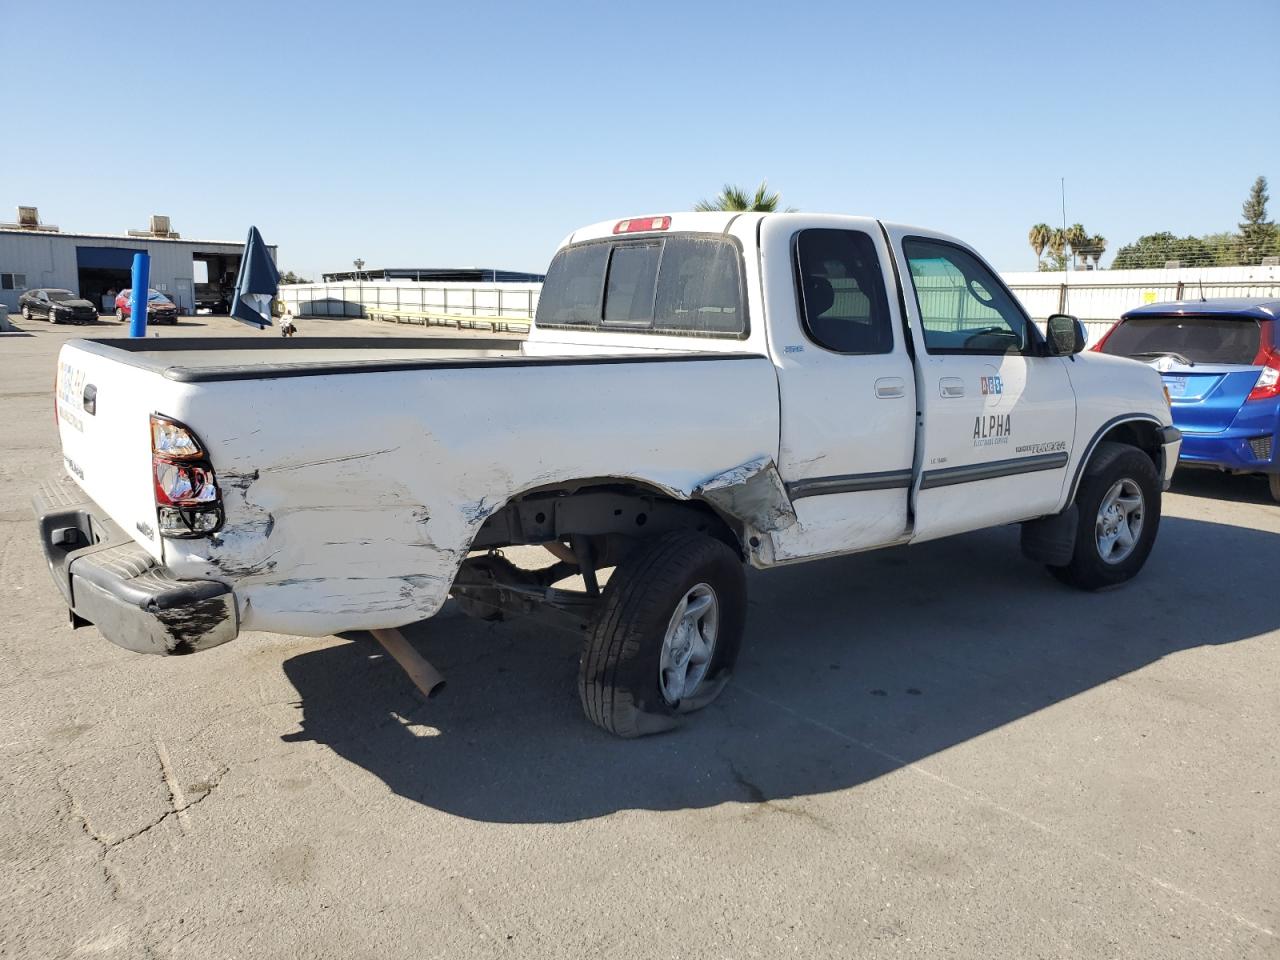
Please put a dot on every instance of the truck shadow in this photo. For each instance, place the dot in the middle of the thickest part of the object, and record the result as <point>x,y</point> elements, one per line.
<point>852,668</point>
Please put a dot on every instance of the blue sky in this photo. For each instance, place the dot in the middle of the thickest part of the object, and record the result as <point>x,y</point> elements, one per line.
<point>416,134</point>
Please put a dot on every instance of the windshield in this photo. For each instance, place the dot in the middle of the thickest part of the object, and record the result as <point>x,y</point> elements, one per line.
<point>57,296</point>
<point>1198,339</point>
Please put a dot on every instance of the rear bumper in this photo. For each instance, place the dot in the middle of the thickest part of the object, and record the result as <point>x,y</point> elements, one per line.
<point>1232,450</point>
<point>109,581</point>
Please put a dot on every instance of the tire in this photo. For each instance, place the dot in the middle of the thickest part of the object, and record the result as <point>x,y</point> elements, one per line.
<point>119,315</point>
<point>26,312</point>
<point>1274,480</point>
<point>619,679</point>
<point>1114,465</point>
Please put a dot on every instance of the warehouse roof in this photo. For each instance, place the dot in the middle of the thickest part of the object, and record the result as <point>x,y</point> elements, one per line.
<point>124,237</point>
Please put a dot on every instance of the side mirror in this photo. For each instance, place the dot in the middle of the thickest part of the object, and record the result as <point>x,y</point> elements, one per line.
<point>1067,335</point>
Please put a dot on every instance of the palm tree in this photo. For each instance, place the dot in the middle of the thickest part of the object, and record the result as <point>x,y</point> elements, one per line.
<point>735,198</point>
<point>1058,246</point>
<point>1078,238</point>
<point>1097,246</point>
<point>1039,239</point>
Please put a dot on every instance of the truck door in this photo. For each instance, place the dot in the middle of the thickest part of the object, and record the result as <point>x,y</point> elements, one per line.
<point>845,385</point>
<point>998,417</point>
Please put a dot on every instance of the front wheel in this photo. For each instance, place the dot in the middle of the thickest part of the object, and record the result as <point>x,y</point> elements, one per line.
<point>26,312</point>
<point>1275,486</point>
<point>667,635</point>
<point>1119,513</point>
<point>119,315</point>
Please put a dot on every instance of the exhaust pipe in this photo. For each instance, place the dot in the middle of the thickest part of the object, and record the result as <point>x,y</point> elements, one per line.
<point>424,676</point>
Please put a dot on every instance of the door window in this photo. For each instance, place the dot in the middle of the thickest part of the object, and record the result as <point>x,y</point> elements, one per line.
<point>844,306</point>
<point>964,308</point>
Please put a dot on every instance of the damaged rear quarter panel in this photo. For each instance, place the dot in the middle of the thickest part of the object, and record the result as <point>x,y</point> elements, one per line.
<point>351,500</point>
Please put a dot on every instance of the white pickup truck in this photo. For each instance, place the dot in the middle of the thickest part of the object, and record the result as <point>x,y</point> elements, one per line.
<point>699,391</point>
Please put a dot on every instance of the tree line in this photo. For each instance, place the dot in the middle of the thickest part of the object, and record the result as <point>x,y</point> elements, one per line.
<point>1257,238</point>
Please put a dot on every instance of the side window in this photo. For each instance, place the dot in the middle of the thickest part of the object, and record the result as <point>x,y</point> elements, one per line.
<point>6,281</point>
<point>844,306</point>
<point>963,307</point>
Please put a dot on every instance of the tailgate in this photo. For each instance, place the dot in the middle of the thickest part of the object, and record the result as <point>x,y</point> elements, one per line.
<point>103,411</point>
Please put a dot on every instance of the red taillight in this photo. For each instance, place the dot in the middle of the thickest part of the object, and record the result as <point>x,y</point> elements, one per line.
<point>1097,347</point>
<point>641,224</point>
<point>188,502</point>
<point>1268,385</point>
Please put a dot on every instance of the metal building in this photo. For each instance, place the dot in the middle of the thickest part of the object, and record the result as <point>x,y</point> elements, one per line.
<point>95,265</point>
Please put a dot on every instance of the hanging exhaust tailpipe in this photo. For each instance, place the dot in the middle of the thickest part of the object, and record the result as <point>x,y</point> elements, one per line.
<point>424,676</point>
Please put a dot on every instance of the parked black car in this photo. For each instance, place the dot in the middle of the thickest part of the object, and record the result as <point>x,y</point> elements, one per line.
<point>56,306</point>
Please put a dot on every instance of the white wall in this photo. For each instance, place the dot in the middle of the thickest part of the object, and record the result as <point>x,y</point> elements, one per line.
<point>1099,297</point>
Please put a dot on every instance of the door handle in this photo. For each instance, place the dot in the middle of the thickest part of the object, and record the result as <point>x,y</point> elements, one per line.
<point>951,387</point>
<point>889,387</point>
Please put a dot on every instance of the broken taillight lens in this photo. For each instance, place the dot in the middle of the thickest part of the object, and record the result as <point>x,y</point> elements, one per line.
<point>188,502</point>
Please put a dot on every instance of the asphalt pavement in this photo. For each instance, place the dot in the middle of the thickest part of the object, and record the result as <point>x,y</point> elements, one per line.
<point>932,751</point>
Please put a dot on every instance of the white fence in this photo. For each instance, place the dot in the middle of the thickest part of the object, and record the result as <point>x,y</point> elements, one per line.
<point>516,301</point>
<point>1098,297</point>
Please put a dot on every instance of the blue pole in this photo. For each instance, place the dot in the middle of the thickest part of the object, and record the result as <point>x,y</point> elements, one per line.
<point>141,284</point>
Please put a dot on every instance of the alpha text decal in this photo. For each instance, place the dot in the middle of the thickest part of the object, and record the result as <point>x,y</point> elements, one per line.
<point>992,429</point>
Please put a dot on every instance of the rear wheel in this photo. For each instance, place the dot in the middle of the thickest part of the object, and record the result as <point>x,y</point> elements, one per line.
<point>1119,513</point>
<point>667,635</point>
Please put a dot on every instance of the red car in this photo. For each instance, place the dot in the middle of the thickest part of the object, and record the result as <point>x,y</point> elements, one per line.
<point>160,309</point>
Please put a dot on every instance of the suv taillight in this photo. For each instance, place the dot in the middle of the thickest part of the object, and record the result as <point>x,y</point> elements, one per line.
<point>1097,347</point>
<point>1268,384</point>
<point>188,502</point>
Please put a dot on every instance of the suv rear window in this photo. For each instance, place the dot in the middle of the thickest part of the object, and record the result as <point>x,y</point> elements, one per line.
<point>683,284</point>
<point>1198,339</point>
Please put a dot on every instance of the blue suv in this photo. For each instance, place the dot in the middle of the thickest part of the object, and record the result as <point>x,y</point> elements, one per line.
<point>1220,360</point>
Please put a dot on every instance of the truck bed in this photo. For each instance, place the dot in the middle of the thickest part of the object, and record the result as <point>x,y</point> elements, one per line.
<point>205,359</point>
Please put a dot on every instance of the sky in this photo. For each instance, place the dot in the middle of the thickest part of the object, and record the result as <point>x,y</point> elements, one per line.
<point>481,134</point>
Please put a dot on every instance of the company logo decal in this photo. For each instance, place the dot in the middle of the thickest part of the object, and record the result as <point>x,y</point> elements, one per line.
<point>991,385</point>
<point>992,429</point>
<point>1055,446</point>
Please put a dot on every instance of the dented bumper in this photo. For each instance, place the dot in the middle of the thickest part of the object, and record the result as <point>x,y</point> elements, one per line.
<point>110,581</point>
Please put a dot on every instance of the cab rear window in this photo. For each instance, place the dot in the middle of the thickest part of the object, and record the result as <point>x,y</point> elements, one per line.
<point>1198,339</point>
<point>678,284</point>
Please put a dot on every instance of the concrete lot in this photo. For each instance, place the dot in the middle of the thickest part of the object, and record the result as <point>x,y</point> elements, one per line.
<point>933,751</point>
